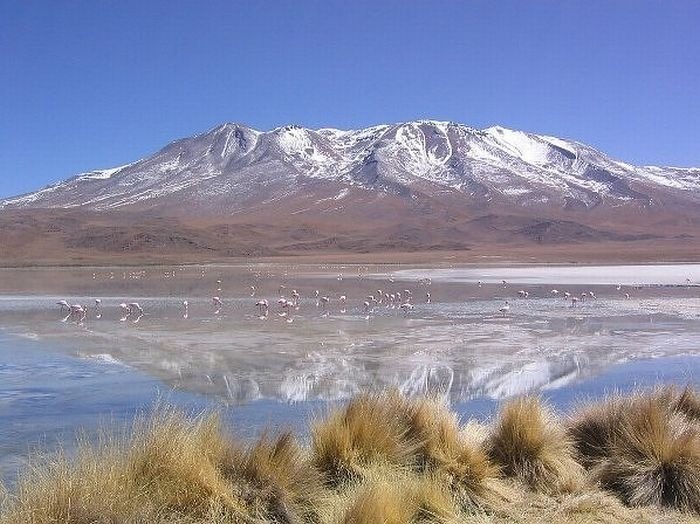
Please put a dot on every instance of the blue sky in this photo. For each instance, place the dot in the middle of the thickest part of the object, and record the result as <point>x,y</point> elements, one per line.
<point>94,84</point>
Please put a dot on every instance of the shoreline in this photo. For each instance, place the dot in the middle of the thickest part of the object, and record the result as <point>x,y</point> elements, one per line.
<point>308,260</point>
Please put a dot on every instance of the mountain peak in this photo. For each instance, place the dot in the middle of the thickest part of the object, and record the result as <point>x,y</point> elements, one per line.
<point>233,166</point>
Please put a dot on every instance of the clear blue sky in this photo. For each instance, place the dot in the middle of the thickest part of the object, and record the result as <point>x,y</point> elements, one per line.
<point>92,84</point>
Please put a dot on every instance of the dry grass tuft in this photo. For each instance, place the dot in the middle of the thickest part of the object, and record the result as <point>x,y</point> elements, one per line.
<point>421,435</point>
<point>165,470</point>
<point>90,488</point>
<point>395,497</point>
<point>276,480</point>
<point>654,458</point>
<point>445,450</point>
<point>530,445</point>
<point>174,460</point>
<point>688,404</point>
<point>592,428</point>
<point>370,430</point>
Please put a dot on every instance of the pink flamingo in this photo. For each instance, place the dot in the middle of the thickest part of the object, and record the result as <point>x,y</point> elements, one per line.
<point>407,307</point>
<point>64,305</point>
<point>263,308</point>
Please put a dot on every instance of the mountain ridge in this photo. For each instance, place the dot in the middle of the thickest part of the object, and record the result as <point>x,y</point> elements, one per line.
<point>495,161</point>
<point>423,185</point>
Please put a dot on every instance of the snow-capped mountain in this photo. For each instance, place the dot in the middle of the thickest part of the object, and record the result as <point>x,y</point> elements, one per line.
<point>415,186</point>
<point>233,168</point>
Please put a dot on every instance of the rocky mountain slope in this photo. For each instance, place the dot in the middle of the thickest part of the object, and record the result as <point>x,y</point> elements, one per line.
<point>232,165</point>
<point>413,185</point>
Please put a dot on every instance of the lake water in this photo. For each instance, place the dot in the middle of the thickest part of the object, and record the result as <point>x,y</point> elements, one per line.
<point>60,374</point>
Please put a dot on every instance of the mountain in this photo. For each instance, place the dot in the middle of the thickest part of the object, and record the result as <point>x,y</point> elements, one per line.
<point>232,166</point>
<point>413,185</point>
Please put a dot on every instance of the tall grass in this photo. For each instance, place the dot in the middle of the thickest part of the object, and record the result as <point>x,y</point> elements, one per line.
<point>530,445</point>
<point>275,479</point>
<point>644,448</point>
<point>391,497</point>
<point>383,459</point>
<point>418,435</point>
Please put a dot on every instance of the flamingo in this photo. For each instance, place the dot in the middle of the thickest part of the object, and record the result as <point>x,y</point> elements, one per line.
<point>218,304</point>
<point>98,308</point>
<point>342,299</point>
<point>324,305</point>
<point>574,301</point>
<point>523,294</point>
<point>427,298</point>
<point>263,308</point>
<point>407,307</point>
<point>126,311</point>
<point>252,291</point>
<point>64,305</point>
<point>504,283</point>
<point>135,306</point>
<point>286,305</point>
<point>79,311</point>
<point>504,309</point>
<point>479,283</point>
<point>186,306</point>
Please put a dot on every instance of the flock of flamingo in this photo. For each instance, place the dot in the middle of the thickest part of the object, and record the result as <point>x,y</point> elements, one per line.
<point>289,304</point>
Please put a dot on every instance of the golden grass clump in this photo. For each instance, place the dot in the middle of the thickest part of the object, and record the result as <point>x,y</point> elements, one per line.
<point>529,445</point>
<point>420,435</point>
<point>394,497</point>
<point>653,458</point>
<point>93,487</point>
<point>369,430</point>
<point>444,449</point>
<point>174,460</point>
<point>276,480</point>
<point>688,404</point>
<point>592,428</point>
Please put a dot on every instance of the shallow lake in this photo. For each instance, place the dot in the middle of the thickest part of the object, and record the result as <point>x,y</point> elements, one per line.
<point>635,326</point>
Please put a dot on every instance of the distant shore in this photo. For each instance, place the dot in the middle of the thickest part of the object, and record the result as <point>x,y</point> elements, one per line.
<point>573,254</point>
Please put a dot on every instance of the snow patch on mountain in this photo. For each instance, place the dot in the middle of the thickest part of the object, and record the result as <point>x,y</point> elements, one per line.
<point>233,164</point>
<point>102,174</point>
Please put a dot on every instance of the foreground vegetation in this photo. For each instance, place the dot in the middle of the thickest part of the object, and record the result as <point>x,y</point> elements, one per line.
<point>386,459</point>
